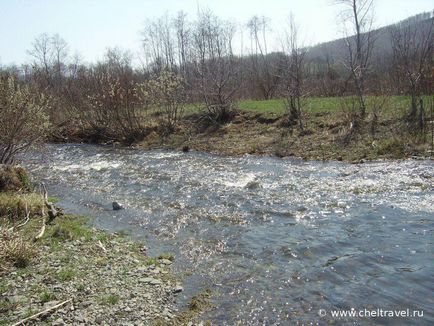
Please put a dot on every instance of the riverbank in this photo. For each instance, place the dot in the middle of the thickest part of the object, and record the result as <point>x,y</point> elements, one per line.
<point>78,275</point>
<point>105,277</point>
<point>324,138</point>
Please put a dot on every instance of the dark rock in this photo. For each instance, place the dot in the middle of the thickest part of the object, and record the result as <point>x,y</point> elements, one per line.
<point>116,206</point>
<point>253,185</point>
<point>178,289</point>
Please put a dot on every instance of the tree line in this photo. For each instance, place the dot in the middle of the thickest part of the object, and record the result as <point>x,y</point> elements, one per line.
<point>195,61</point>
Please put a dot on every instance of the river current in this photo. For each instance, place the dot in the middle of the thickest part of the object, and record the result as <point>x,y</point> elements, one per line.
<point>277,241</point>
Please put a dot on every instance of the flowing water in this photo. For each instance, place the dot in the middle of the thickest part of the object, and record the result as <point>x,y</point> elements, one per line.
<point>276,240</point>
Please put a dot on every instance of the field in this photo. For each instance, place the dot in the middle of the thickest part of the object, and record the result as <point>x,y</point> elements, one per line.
<point>389,106</point>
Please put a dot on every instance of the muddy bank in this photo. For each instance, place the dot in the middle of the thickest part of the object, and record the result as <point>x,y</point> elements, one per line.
<point>324,138</point>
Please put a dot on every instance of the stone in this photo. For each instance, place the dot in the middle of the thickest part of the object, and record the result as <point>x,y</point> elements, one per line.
<point>165,261</point>
<point>116,206</point>
<point>155,282</point>
<point>86,304</point>
<point>178,289</point>
<point>58,322</point>
<point>150,280</point>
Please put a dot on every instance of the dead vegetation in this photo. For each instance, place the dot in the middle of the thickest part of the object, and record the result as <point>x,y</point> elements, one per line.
<point>324,137</point>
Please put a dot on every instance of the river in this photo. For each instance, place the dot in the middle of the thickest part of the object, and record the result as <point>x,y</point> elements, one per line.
<point>276,240</point>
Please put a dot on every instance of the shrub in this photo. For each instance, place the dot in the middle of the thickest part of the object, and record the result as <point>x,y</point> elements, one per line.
<point>13,178</point>
<point>166,92</point>
<point>391,147</point>
<point>22,116</point>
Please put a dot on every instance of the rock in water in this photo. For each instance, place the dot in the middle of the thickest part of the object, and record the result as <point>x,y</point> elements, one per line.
<point>253,185</point>
<point>116,206</point>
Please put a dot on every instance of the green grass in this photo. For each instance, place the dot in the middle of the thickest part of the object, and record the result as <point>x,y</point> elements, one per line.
<point>110,299</point>
<point>276,107</point>
<point>46,296</point>
<point>66,274</point>
<point>71,228</point>
<point>53,200</point>
<point>4,287</point>
<point>320,104</point>
<point>269,107</point>
<point>103,237</point>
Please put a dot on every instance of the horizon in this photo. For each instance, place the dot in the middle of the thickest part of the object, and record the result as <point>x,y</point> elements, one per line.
<point>119,25</point>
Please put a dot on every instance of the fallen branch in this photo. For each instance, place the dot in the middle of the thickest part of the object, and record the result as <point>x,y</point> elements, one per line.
<point>44,222</point>
<point>99,244</point>
<point>42,231</point>
<point>27,218</point>
<point>21,322</point>
<point>52,211</point>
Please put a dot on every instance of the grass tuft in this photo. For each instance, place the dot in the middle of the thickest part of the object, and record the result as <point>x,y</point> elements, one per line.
<point>71,228</point>
<point>15,250</point>
<point>46,297</point>
<point>66,274</point>
<point>110,299</point>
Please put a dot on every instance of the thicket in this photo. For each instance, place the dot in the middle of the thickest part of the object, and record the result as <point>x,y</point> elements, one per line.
<point>199,62</point>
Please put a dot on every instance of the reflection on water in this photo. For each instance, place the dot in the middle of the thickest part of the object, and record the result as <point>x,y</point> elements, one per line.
<point>276,240</point>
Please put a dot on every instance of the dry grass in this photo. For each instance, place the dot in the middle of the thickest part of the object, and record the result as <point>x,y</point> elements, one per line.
<point>15,249</point>
<point>13,178</point>
<point>325,137</point>
<point>13,205</point>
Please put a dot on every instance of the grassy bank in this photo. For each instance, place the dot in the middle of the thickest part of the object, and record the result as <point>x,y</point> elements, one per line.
<point>260,128</point>
<point>80,275</point>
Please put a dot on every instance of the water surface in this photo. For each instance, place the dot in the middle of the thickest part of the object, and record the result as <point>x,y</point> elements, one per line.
<point>274,239</point>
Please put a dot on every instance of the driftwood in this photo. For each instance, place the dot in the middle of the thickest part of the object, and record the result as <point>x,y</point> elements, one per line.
<point>21,322</point>
<point>26,219</point>
<point>99,244</point>
<point>51,211</point>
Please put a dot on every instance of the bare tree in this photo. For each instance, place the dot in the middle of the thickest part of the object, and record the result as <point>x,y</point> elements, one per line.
<point>216,68</point>
<point>116,102</point>
<point>293,74</point>
<point>412,46</point>
<point>43,57</point>
<point>59,49</point>
<point>166,93</point>
<point>183,31</point>
<point>358,20</point>
<point>159,44</point>
<point>264,69</point>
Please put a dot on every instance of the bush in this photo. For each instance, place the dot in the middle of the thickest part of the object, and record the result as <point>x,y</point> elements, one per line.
<point>393,147</point>
<point>14,178</point>
<point>23,121</point>
<point>166,92</point>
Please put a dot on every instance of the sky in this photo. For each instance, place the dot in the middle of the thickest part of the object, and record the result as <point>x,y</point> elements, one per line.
<point>90,26</point>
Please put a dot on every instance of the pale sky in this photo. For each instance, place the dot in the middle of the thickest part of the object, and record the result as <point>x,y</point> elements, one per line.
<point>90,26</point>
